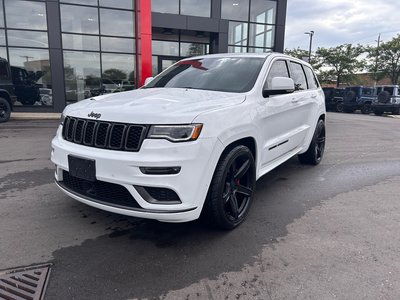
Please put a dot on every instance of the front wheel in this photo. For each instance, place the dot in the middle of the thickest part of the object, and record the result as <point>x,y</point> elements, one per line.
<point>315,151</point>
<point>366,109</point>
<point>5,110</point>
<point>339,106</point>
<point>232,187</point>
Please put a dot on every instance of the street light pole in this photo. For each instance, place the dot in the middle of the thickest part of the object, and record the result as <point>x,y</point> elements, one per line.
<point>311,34</point>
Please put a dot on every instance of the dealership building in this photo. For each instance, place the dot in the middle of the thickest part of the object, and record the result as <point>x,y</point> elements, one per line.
<point>62,51</point>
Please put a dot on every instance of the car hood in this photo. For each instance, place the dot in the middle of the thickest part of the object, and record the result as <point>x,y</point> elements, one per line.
<point>154,105</point>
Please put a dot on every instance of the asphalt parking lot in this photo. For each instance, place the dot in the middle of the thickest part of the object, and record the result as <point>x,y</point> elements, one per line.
<point>326,232</point>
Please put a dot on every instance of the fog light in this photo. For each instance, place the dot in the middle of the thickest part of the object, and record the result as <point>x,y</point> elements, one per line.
<point>160,170</point>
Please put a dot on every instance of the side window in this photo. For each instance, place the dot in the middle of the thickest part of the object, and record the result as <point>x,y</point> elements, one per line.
<point>278,69</point>
<point>298,76</point>
<point>311,79</point>
<point>4,70</point>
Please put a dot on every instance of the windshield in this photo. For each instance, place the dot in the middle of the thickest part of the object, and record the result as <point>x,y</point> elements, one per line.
<point>225,74</point>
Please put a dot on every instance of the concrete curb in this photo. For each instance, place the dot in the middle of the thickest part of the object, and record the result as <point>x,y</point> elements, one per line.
<point>35,116</point>
<point>394,116</point>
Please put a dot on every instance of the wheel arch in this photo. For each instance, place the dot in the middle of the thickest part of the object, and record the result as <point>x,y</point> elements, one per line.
<point>4,94</point>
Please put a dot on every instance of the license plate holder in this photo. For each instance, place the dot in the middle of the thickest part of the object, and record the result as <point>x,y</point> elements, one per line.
<point>82,168</point>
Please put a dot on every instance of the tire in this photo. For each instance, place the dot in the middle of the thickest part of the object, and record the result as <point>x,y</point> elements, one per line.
<point>315,151</point>
<point>231,191</point>
<point>396,111</point>
<point>378,112</point>
<point>5,110</point>
<point>366,108</point>
<point>384,97</point>
<point>339,106</point>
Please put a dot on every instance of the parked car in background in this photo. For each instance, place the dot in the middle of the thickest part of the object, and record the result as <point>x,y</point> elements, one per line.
<point>7,91</point>
<point>26,89</point>
<point>387,100</point>
<point>194,140</point>
<point>334,99</point>
<point>358,98</point>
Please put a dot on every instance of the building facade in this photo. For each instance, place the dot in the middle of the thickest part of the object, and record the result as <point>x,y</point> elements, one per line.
<point>63,51</point>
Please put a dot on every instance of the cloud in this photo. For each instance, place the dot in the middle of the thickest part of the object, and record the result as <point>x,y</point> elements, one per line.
<point>340,21</point>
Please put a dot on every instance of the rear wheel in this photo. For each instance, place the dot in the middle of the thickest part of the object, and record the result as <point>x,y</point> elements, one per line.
<point>366,108</point>
<point>315,152</point>
<point>232,187</point>
<point>339,106</point>
<point>5,110</point>
<point>396,111</point>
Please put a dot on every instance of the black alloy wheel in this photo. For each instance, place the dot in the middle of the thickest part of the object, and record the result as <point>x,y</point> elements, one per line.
<point>232,188</point>
<point>366,109</point>
<point>339,106</point>
<point>315,151</point>
<point>5,110</point>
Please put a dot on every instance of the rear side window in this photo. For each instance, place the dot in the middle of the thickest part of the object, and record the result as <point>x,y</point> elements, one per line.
<point>278,69</point>
<point>311,79</point>
<point>4,70</point>
<point>298,76</point>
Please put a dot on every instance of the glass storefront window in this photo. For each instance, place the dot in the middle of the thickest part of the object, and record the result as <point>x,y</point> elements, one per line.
<point>200,8</point>
<point>27,38</point>
<point>117,22</point>
<point>163,6</point>
<point>85,2</point>
<point>118,72</point>
<point>111,44</point>
<point>235,10</point>
<point>192,49</point>
<point>261,35</point>
<point>79,19</point>
<point>1,14</point>
<point>80,42</point>
<point>238,33</point>
<point>259,50</point>
<point>3,53</point>
<point>263,11</point>
<point>126,4</point>
<point>82,75</point>
<point>236,49</point>
<point>26,15</point>
<point>165,48</point>
<point>31,75</point>
<point>2,37</point>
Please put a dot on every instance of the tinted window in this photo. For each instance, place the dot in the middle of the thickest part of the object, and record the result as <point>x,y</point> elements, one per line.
<point>79,19</point>
<point>163,6</point>
<point>80,42</point>
<point>117,4</point>
<point>201,8</point>
<point>86,2</point>
<point>298,76</point>
<point>117,44</point>
<point>26,15</point>
<point>311,79</point>
<point>217,74</point>
<point>4,69</point>
<point>263,11</point>
<point>388,89</point>
<point>235,10</point>
<point>367,91</point>
<point>27,38</point>
<point>278,69</point>
<point>116,22</point>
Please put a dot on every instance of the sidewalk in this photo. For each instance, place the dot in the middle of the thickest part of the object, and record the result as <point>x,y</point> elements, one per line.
<point>35,116</point>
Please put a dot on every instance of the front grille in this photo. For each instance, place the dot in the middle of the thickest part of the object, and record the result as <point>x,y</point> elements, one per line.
<point>101,191</point>
<point>106,135</point>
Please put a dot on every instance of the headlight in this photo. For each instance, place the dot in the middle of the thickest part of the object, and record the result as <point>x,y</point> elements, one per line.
<point>62,119</point>
<point>175,133</point>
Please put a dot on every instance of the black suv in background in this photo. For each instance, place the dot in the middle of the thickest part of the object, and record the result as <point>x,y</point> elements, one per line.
<point>7,91</point>
<point>334,99</point>
<point>358,98</point>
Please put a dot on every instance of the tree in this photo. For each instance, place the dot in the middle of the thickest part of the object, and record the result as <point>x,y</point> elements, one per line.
<point>385,60</point>
<point>342,61</point>
<point>114,74</point>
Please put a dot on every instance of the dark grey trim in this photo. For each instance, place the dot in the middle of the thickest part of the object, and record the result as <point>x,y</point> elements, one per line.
<point>280,26</point>
<point>147,197</point>
<point>152,211</point>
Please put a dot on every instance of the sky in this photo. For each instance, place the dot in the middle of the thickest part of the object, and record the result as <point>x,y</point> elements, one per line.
<point>337,22</point>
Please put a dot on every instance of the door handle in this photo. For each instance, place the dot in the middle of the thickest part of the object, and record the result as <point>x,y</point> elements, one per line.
<point>313,96</point>
<point>295,100</point>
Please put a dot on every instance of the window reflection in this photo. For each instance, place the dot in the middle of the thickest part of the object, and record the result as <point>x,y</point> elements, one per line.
<point>235,10</point>
<point>80,42</point>
<point>118,73</point>
<point>201,8</point>
<point>117,44</point>
<point>2,37</point>
<point>261,35</point>
<point>127,4</point>
<point>165,48</point>
<point>238,33</point>
<point>192,49</point>
<point>263,11</point>
<point>163,6</point>
<point>31,75</point>
<point>1,14</point>
<point>117,22</point>
<point>85,2</point>
<point>27,38</point>
<point>79,19</point>
<point>26,14</point>
<point>82,75</point>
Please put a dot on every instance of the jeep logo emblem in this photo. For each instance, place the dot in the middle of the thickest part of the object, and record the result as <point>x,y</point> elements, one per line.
<point>94,115</point>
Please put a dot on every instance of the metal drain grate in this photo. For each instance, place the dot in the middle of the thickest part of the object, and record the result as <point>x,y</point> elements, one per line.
<point>24,283</point>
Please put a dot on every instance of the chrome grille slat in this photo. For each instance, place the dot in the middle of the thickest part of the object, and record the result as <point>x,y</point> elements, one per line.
<point>105,135</point>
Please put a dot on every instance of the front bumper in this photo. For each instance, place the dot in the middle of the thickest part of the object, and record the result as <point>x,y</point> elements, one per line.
<point>197,161</point>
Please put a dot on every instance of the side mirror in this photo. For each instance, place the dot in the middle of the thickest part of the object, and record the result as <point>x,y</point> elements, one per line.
<point>279,86</point>
<point>148,80</point>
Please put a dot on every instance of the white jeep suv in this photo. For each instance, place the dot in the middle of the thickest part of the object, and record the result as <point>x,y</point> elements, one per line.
<point>195,139</point>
